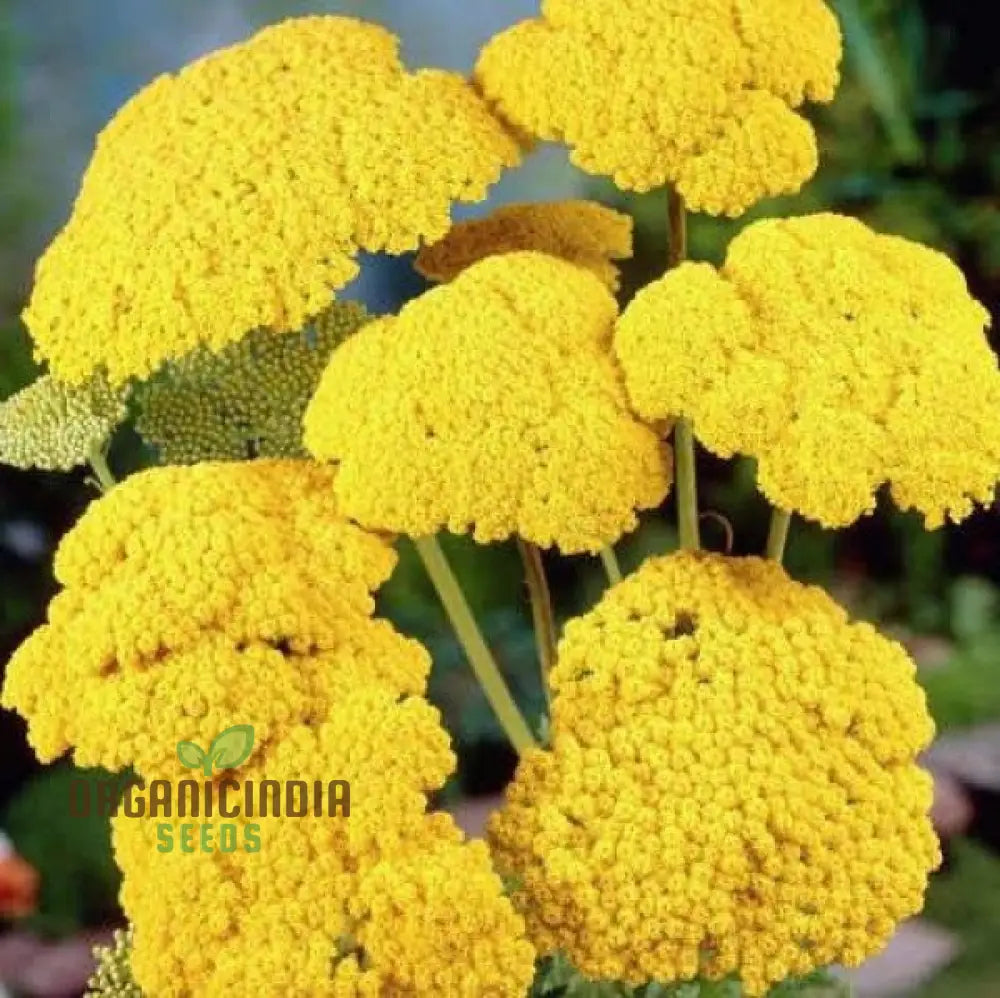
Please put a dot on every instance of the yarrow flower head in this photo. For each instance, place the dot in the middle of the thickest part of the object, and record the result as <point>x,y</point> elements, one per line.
<point>196,594</point>
<point>234,195</point>
<point>731,787</point>
<point>583,232</point>
<point>491,404</point>
<point>248,399</point>
<point>700,95</point>
<point>56,427</point>
<point>839,358</point>
<point>387,902</point>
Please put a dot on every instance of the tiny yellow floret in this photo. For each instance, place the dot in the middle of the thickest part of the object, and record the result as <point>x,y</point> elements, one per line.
<point>583,232</point>
<point>235,194</point>
<point>700,94</point>
<point>491,405</point>
<point>838,358</point>
<point>731,786</point>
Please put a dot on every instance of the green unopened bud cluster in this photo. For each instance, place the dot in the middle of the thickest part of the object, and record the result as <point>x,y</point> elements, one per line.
<point>56,427</point>
<point>245,401</point>
<point>557,978</point>
<point>113,976</point>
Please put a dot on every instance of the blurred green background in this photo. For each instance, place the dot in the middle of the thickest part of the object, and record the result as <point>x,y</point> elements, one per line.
<point>911,146</point>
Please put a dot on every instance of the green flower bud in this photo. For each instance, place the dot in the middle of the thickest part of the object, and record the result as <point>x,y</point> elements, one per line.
<point>56,427</point>
<point>113,976</point>
<point>245,401</point>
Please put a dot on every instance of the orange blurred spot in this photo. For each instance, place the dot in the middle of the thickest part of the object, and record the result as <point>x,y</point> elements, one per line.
<point>18,887</point>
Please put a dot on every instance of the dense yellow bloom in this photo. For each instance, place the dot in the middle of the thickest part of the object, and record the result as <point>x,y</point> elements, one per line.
<point>388,902</point>
<point>490,404</point>
<point>696,93</point>
<point>583,232</point>
<point>135,714</point>
<point>424,916</point>
<point>56,427</point>
<point>198,595</point>
<point>731,786</point>
<point>246,400</point>
<point>234,195</point>
<point>839,358</point>
<point>250,518</point>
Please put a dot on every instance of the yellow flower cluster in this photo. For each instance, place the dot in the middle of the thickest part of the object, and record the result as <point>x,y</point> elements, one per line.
<point>113,977</point>
<point>839,358</point>
<point>195,595</point>
<point>234,195</point>
<point>387,902</point>
<point>501,392</point>
<point>56,427</point>
<point>583,232</point>
<point>247,400</point>
<point>696,93</point>
<point>731,786</point>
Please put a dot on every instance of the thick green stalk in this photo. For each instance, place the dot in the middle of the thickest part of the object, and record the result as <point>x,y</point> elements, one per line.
<point>685,472</point>
<point>686,486</point>
<point>611,566</point>
<point>467,631</point>
<point>99,464</point>
<point>542,614</point>
<point>677,222</point>
<point>777,537</point>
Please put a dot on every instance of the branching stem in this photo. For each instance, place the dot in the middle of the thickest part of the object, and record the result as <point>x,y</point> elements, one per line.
<point>99,464</point>
<point>777,537</point>
<point>611,566</point>
<point>470,637</point>
<point>685,472</point>
<point>542,614</point>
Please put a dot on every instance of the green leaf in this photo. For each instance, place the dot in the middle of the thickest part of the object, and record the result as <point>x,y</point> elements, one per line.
<point>875,73</point>
<point>689,989</point>
<point>819,984</point>
<point>78,879</point>
<point>232,747</point>
<point>975,607</point>
<point>190,755</point>
<point>728,988</point>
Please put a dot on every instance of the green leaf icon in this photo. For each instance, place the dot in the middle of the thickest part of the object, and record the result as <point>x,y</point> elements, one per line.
<point>230,748</point>
<point>190,755</point>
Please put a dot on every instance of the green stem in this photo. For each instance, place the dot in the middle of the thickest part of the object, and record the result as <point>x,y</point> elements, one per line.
<point>777,537</point>
<point>542,614</point>
<point>686,486</point>
<point>611,566</point>
<point>685,472</point>
<point>467,631</point>
<point>677,230</point>
<point>99,464</point>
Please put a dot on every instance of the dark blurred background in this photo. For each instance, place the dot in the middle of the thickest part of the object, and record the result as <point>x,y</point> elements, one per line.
<point>911,146</point>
